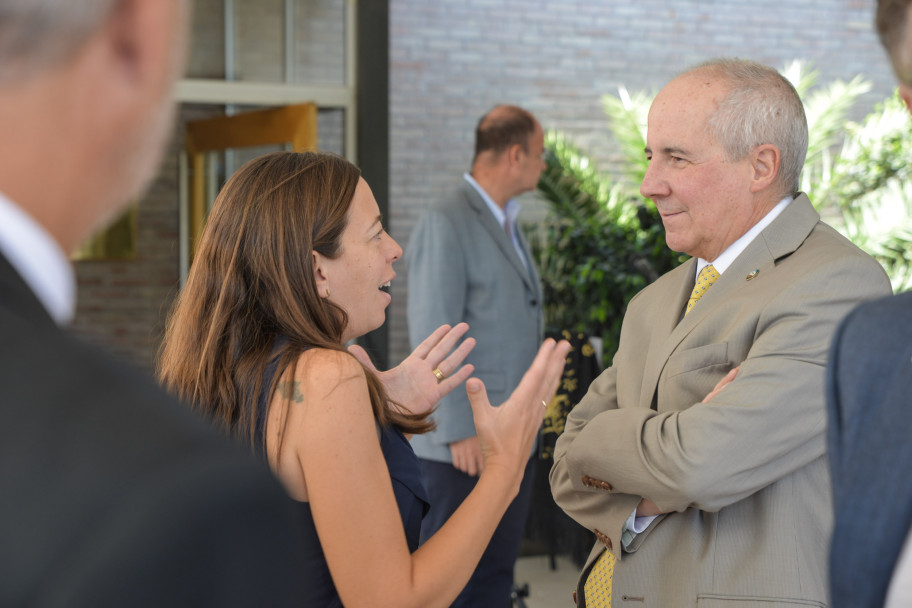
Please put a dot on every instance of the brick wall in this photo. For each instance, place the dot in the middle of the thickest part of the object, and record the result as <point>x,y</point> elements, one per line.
<point>122,304</point>
<point>451,60</point>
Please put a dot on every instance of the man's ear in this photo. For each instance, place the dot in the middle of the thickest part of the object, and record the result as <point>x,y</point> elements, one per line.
<point>905,92</point>
<point>320,278</point>
<point>765,162</point>
<point>514,153</point>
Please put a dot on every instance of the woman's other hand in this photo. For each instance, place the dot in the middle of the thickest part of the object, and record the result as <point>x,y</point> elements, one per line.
<point>507,432</point>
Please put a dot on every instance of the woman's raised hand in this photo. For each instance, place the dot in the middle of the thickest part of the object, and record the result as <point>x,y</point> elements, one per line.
<point>430,372</point>
<point>507,432</point>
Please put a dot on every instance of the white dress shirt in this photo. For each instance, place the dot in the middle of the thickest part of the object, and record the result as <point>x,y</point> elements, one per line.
<point>39,260</point>
<point>899,593</point>
<point>506,217</point>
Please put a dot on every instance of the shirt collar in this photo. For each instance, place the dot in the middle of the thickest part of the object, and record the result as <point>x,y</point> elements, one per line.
<point>39,260</point>
<point>511,209</point>
<point>728,256</point>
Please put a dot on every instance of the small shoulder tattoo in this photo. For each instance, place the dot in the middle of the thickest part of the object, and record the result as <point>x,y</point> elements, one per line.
<point>291,389</point>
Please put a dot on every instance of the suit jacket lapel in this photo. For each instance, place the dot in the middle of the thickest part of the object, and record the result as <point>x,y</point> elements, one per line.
<point>486,218</point>
<point>665,332</point>
<point>781,238</point>
<point>534,281</point>
<point>18,298</point>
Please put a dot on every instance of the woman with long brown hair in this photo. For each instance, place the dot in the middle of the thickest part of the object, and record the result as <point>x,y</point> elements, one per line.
<point>293,264</point>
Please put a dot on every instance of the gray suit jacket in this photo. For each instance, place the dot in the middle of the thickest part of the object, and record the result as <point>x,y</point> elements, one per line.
<point>462,267</point>
<point>744,476</point>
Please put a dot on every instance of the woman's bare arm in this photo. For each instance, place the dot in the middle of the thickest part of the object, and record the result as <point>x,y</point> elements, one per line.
<point>333,438</point>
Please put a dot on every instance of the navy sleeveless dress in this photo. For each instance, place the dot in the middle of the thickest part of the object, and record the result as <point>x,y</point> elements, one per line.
<point>408,487</point>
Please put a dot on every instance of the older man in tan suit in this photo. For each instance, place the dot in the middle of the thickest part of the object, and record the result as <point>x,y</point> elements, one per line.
<point>701,495</point>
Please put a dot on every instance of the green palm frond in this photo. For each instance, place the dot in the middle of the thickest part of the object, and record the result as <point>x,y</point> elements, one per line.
<point>802,78</point>
<point>871,187</point>
<point>894,255</point>
<point>826,111</point>
<point>874,152</point>
<point>627,122</point>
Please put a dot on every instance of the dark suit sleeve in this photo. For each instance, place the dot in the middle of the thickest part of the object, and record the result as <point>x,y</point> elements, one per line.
<point>212,534</point>
<point>869,421</point>
<point>114,494</point>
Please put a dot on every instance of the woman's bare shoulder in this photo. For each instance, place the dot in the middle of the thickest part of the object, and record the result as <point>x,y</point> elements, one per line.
<point>321,395</point>
<point>323,363</point>
<point>319,372</point>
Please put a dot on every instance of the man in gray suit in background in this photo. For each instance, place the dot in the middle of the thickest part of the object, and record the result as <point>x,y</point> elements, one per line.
<point>467,261</point>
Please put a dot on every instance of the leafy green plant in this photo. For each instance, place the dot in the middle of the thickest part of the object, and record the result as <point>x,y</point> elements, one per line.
<point>826,110</point>
<point>627,121</point>
<point>867,195</point>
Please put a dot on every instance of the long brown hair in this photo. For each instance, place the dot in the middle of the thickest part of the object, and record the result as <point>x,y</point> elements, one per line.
<point>252,281</point>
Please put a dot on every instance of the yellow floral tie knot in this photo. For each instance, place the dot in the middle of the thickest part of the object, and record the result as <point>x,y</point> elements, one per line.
<point>705,280</point>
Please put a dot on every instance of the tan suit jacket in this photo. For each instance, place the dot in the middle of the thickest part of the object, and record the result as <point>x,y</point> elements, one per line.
<point>744,477</point>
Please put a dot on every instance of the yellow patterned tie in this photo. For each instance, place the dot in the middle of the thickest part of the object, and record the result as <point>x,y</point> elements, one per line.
<point>597,588</point>
<point>705,280</point>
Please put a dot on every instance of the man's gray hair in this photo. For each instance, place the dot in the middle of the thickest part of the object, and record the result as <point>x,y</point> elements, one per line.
<point>36,34</point>
<point>761,107</point>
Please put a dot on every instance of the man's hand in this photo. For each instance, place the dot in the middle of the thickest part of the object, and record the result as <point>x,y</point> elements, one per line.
<point>412,384</point>
<point>647,508</point>
<point>467,456</point>
<point>721,384</point>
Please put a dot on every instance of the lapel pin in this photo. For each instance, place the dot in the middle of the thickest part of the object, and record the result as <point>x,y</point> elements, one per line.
<point>751,275</point>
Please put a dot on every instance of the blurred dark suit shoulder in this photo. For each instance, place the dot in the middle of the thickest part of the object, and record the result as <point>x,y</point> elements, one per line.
<point>114,494</point>
<point>869,408</point>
